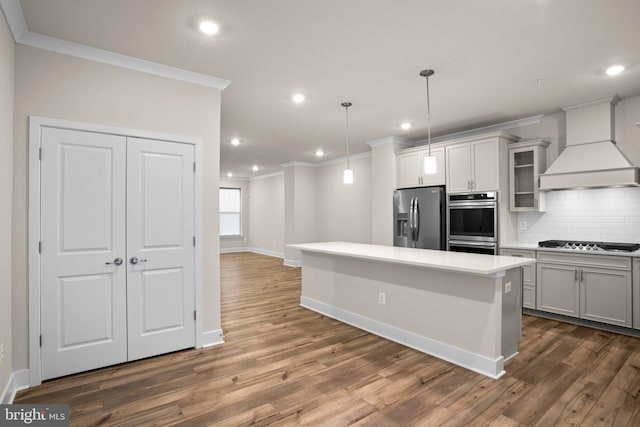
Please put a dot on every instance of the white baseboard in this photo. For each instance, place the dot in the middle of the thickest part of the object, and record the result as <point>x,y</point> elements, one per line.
<point>19,380</point>
<point>211,338</point>
<point>233,250</point>
<point>292,263</point>
<point>267,252</point>
<point>469,360</point>
<point>254,250</point>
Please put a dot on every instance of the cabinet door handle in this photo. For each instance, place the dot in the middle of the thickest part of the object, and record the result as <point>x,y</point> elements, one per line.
<point>575,274</point>
<point>582,275</point>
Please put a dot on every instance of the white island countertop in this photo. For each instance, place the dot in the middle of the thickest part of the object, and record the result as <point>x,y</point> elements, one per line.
<point>484,265</point>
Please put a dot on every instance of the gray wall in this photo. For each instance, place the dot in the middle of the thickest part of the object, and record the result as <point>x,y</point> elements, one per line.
<point>7,57</point>
<point>266,214</point>
<point>59,86</point>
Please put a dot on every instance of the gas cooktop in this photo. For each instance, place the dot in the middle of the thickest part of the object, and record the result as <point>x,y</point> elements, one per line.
<point>589,246</point>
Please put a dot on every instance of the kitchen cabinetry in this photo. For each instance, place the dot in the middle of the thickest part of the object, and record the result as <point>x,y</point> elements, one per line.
<point>527,160</point>
<point>410,168</point>
<point>591,287</point>
<point>473,166</point>
<point>636,293</point>
<point>528,277</point>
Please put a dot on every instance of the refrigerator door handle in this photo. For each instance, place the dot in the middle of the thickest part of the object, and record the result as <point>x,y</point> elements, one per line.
<point>416,220</point>
<point>411,218</point>
<point>412,221</point>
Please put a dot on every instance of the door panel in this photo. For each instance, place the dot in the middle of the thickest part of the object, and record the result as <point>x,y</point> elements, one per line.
<point>486,173</point>
<point>83,227</point>
<point>606,296</point>
<point>82,298</point>
<point>161,289</point>
<point>457,171</point>
<point>558,289</point>
<point>160,224</point>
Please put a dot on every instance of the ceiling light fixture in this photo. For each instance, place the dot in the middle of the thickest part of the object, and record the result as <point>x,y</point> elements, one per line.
<point>298,98</point>
<point>614,70</point>
<point>208,28</point>
<point>348,173</point>
<point>229,175</point>
<point>255,168</point>
<point>319,153</point>
<point>429,160</point>
<point>235,141</point>
<point>406,126</point>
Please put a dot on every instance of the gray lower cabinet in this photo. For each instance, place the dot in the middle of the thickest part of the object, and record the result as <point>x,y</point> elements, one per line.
<point>636,293</point>
<point>558,290</point>
<point>528,276</point>
<point>591,287</point>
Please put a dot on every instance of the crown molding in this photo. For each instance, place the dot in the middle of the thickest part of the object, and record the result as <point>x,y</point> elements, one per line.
<point>15,19</point>
<point>392,140</point>
<point>297,163</point>
<point>267,175</point>
<point>486,129</point>
<point>233,178</point>
<point>364,155</point>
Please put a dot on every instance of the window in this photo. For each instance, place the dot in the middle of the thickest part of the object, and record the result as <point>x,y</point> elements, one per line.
<point>230,215</point>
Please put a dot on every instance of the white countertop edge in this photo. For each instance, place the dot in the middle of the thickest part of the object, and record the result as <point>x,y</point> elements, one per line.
<point>460,262</point>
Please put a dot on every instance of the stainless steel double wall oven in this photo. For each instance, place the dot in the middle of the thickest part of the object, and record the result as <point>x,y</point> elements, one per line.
<point>473,223</point>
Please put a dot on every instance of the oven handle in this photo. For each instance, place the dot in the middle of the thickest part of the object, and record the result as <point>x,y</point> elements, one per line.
<point>472,205</point>
<point>473,244</point>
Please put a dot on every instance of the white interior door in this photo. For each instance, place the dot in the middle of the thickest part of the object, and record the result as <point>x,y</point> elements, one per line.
<point>83,299</point>
<point>160,247</point>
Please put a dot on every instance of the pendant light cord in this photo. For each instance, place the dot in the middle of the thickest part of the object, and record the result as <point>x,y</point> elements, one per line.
<point>428,117</point>
<point>346,109</point>
<point>346,106</point>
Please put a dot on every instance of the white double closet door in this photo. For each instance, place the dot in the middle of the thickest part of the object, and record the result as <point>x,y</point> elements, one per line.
<point>117,257</point>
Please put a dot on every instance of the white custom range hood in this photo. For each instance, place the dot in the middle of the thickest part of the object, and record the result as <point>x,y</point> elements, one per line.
<point>591,158</point>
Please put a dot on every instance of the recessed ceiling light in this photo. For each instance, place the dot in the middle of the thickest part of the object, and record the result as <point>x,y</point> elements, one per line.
<point>614,70</point>
<point>406,125</point>
<point>255,168</point>
<point>208,28</point>
<point>229,175</point>
<point>319,153</point>
<point>298,98</point>
<point>235,141</point>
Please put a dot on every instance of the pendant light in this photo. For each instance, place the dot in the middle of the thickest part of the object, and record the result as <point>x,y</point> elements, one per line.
<point>429,160</point>
<point>348,173</point>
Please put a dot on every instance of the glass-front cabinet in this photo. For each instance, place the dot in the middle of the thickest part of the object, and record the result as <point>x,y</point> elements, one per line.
<point>527,160</point>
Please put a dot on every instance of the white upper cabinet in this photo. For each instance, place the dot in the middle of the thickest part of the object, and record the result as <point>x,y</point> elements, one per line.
<point>410,168</point>
<point>458,168</point>
<point>473,166</point>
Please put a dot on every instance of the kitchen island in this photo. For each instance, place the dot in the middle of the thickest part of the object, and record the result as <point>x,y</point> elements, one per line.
<point>461,307</point>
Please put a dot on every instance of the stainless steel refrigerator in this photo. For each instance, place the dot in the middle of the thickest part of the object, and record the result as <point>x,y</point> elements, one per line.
<point>419,218</point>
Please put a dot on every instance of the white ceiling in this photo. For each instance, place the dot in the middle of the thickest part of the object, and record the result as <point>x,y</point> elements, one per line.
<point>488,56</point>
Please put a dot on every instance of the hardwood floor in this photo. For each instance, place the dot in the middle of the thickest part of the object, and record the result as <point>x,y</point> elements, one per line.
<point>284,365</point>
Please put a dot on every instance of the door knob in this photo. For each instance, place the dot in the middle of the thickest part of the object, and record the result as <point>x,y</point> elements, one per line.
<point>135,260</point>
<point>117,261</point>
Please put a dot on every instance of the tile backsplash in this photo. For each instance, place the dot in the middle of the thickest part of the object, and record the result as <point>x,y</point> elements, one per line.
<point>607,214</point>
